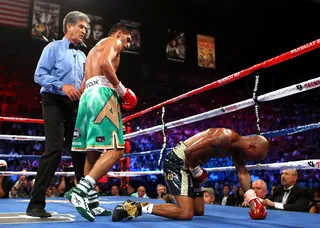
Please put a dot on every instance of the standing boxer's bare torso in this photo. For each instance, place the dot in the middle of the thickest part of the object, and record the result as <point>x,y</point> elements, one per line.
<point>92,67</point>
<point>212,143</point>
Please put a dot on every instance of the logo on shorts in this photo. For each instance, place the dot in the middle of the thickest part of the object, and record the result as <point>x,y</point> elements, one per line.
<point>100,139</point>
<point>169,176</point>
<point>76,134</point>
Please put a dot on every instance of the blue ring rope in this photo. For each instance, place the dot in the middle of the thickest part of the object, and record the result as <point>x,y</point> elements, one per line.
<point>269,134</point>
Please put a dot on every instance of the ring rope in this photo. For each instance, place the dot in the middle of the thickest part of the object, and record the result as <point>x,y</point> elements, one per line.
<point>20,120</point>
<point>291,130</point>
<point>22,138</point>
<point>280,93</point>
<point>233,77</point>
<point>273,61</point>
<point>69,157</point>
<point>29,156</point>
<point>269,134</point>
<point>300,165</point>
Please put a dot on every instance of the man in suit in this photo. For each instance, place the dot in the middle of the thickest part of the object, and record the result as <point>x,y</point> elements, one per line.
<point>226,194</point>
<point>232,199</point>
<point>290,196</point>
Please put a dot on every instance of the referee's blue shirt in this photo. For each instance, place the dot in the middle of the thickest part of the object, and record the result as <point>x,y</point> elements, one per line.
<point>59,65</point>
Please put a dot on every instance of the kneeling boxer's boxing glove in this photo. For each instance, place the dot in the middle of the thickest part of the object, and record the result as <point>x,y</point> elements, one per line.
<point>129,99</point>
<point>200,175</point>
<point>257,209</point>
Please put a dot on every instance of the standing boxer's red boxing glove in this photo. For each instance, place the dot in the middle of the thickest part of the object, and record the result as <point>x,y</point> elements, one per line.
<point>257,209</point>
<point>129,99</point>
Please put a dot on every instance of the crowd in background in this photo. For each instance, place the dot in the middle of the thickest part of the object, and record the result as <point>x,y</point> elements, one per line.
<point>280,114</point>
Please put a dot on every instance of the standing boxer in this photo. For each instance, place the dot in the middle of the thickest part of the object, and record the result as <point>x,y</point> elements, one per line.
<point>99,123</point>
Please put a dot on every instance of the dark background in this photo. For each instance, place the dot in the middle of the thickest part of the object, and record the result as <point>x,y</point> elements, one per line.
<point>245,32</point>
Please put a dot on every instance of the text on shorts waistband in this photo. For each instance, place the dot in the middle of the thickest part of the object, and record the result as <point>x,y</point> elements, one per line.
<point>98,81</point>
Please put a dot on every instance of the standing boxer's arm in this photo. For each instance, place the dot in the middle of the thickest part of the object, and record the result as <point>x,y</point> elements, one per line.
<point>243,174</point>
<point>83,85</point>
<point>110,53</point>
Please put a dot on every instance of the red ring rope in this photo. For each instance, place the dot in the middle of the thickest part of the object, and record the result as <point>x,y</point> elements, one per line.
<point>273,61</point>
<point>20,120</point>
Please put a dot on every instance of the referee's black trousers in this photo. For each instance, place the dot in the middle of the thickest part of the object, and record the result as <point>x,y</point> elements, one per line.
<point>59,114</point>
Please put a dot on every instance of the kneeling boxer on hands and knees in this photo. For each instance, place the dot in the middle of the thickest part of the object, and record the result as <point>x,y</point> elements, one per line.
<point>185,178</point>
<point>99,124</point>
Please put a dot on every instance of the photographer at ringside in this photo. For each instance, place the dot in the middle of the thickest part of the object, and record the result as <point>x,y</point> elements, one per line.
<point>23,187</point>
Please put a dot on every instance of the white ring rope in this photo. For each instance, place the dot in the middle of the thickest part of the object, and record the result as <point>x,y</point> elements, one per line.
<point>22,138</point>
<point>284,92</point>
<point>27,173</point>
<point>299,165</point>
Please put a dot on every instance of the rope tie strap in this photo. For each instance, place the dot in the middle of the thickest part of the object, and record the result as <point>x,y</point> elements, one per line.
<point>256,102</point>
<point>164,138</point>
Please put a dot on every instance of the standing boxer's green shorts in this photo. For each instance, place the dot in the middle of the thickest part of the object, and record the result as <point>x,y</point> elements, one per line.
<point>99,123</point>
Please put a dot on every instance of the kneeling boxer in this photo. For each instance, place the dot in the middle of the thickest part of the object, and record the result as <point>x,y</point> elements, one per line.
<point>184,177</point>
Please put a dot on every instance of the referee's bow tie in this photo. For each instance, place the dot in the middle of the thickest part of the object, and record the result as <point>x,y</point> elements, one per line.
<point>71,45</point>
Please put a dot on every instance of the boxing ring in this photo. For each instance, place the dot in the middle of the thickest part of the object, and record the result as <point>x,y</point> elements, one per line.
<point>215,216</point>
<point>12,211</point>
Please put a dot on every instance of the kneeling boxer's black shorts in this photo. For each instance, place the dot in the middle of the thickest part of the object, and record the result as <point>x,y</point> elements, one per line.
<point>178,178</point>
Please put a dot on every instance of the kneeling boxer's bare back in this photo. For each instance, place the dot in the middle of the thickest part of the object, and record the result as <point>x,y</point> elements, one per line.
<point>184,176</point>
